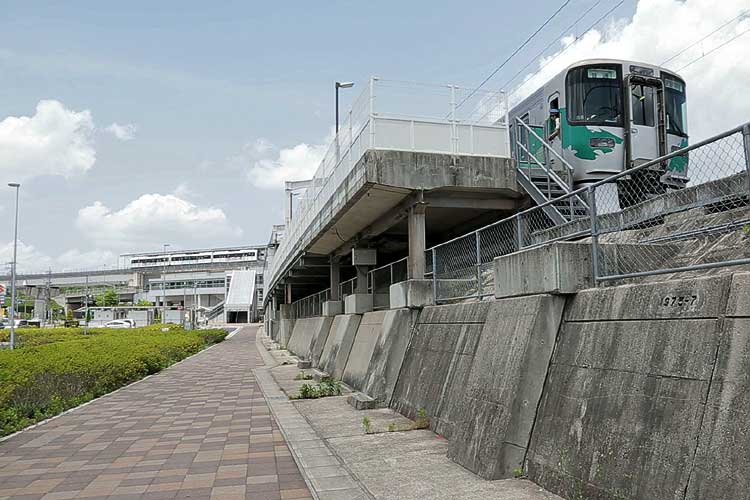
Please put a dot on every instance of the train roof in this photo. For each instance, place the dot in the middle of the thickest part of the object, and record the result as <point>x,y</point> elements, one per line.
<point>586,62</point>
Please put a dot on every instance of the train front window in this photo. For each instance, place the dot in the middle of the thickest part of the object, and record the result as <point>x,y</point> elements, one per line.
<point>676,106</point>
<point>594,95</point>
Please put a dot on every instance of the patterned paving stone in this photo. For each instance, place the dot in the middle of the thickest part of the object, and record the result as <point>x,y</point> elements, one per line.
<point>200,429</point>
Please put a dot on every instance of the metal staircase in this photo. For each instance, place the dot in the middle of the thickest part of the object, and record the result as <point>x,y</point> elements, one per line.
<point>546,176</point>
<point>215,311</point>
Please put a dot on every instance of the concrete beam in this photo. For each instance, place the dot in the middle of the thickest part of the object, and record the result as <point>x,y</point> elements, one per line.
<point>442,200</point>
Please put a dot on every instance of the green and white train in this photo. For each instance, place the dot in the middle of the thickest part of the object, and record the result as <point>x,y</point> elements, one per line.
<point>614,115</point>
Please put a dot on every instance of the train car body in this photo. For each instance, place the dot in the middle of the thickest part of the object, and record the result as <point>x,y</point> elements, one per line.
<point>614,115</point>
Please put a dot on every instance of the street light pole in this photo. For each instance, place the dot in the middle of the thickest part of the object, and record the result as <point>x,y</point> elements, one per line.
<point>164,287</point>
<point>340,85</point>
<point>17,187</point>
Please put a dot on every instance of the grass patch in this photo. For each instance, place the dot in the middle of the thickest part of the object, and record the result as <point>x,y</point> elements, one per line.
<point>326,387</point>
<point>55,369</point>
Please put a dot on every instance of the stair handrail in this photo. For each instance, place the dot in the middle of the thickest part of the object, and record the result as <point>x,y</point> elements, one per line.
<point>547,146</point>
<point>566,187</point>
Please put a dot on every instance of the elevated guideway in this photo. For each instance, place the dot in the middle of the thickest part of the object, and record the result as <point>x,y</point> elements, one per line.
<point>411,163</point>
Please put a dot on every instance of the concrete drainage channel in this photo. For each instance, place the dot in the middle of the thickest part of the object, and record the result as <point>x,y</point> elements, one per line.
<point>341,459</point>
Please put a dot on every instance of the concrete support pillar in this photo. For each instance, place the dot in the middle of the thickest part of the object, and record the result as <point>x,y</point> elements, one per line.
<point>335,278</point>
<point>288,293</point>
<point>417,242</point>
<point>361,286</point>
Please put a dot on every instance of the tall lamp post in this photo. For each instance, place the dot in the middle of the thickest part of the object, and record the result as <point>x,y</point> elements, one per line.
<point>340,85</point>
<point>164,287</point>
<point>17,187</point>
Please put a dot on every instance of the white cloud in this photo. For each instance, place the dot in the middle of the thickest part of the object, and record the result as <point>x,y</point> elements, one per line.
<point>182,190</point>
<point>31,259</point>
<point>153,219</point>
<point>271,168</point>
<point>658,30</point>
<point>54,141</point>
<point>122,132</point>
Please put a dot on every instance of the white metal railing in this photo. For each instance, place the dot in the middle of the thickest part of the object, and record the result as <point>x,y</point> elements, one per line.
<point>394,115</point>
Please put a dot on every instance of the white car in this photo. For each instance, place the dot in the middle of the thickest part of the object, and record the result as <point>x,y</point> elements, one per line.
<point>120,323</point>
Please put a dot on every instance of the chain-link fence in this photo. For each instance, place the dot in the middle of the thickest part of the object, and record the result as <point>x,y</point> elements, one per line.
<point>310,306</point>
<point>692,222</point>
<point>347,287</point>
<point>615,214</point>
<point>381,279</point>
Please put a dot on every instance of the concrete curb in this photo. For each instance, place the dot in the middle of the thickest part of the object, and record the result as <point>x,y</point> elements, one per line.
<point>277,403</point>
<point>82,405</point>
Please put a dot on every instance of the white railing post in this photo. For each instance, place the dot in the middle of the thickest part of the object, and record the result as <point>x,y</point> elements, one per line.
<point>373,79</point>
<point>454,135</point>
<point>507,120</point>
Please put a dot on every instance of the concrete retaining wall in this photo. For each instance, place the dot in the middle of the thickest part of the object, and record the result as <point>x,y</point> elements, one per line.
<point>306,333</point>
<point>369,330</point>
<point>629,392</point>
<point>319,339</point>
<point>388,354</point>
<point>498,401</point>
<point>286,327</point>
<point>623,403</point>
<point>437,363</point>
<point>722,466</point>
<point>339,344</point>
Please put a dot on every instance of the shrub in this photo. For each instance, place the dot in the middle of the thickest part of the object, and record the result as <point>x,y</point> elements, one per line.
<point>59,368</point>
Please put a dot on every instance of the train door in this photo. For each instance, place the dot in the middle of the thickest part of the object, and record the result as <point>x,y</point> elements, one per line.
<point>553,126</point>
<point>645,120</point>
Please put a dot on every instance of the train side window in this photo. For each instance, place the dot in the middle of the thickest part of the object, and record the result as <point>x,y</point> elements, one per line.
<point>553,123</point>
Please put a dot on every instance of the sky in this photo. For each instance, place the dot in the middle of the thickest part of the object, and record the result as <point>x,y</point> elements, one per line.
<point>134,124</point>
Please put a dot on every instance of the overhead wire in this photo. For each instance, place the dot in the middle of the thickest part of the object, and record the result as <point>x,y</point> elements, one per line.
<point>513,54</point>
<point>744,12</point>
<point>591,26</point>
<point>713,50</point>
<point>557,39</point>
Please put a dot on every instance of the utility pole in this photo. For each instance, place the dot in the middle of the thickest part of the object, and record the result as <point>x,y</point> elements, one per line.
<point>48,315</point>
<point>86,307</point>
<point>17,187</point>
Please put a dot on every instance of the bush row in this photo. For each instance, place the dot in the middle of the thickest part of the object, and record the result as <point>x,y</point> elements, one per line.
<point>59,370</point>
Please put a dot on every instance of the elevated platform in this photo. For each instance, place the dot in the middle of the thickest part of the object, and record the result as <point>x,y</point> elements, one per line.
<point>454,171</point>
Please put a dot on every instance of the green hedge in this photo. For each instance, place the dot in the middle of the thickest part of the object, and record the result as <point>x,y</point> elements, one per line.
<point>59,368</point>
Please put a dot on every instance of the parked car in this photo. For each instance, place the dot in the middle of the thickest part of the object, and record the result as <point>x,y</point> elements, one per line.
<point>119,323</point>
<point>21,323</point>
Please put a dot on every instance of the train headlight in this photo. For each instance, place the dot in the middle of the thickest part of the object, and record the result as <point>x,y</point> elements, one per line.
<point>602,142</point>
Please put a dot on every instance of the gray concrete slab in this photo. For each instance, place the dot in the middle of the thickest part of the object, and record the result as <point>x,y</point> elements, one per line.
<point>408,465</point>
<point>388,354</point>
<point>721,468</point>
<point>439,356</point>
<point>623,403</point>
<point>497,402</point>
<point>339,344</point>
<point>369,331</point>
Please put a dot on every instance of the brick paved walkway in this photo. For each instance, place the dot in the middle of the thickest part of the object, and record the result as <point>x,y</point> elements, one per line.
<point>200,429</point>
